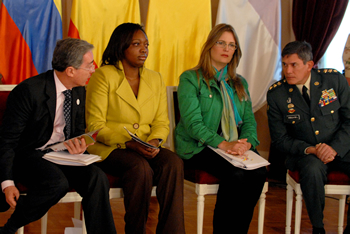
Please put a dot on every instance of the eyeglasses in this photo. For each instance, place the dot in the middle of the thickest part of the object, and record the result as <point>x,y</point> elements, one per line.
<point>91,68</point>
<point>223,45</point>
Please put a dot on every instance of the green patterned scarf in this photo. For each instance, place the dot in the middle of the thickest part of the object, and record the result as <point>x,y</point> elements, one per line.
<point>230,118</point>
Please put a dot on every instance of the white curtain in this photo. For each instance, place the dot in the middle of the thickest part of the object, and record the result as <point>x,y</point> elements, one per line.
<point>258,26</point>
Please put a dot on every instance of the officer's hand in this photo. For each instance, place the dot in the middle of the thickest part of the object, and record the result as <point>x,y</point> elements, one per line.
<point>325,153</point>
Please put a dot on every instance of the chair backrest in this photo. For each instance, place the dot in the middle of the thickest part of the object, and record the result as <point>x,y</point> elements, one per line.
<point>174,115</point>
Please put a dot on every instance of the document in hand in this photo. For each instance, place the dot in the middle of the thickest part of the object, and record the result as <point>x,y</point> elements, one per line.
<point>89,137</point>
<point>65,158</point>
<point>249,161</point>
<point>136,138</point>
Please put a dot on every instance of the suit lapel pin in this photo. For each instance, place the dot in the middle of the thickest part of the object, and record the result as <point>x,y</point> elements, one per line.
<point>78,102</point>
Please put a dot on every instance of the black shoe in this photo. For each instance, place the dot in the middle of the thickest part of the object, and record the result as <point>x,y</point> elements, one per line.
<point>316,230</point>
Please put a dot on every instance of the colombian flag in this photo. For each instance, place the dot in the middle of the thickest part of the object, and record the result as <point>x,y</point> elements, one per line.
<point>29,30</point>
<point>94,21</point>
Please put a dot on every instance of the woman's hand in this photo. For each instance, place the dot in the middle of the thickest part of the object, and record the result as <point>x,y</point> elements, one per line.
<point>145,151</point>
<point>77,145</point>
<point>238,147</point>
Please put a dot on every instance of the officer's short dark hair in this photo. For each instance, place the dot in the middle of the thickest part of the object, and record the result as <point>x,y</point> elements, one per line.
<point>302,48</point>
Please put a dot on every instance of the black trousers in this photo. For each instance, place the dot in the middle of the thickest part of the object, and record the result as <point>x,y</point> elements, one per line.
<point>313,177</point>
<point>47,183</point>
<point>239,191</point>
<point>138,175</point>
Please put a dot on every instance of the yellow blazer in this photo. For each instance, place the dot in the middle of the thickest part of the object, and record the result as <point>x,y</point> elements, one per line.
<point>111,105</point>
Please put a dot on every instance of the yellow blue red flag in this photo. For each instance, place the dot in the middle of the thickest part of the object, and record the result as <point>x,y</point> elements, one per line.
<point>29,30</point>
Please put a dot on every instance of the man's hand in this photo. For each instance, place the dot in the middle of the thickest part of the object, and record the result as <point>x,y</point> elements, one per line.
<point>325,153</point>
<point>76,145</point>
<point>12,195</point>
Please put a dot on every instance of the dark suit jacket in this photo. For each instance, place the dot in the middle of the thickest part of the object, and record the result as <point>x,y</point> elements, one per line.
<point>29,117</point>
<point>294,125</point>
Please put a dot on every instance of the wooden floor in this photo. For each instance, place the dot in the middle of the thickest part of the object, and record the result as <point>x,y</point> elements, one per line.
<point>60,215</point>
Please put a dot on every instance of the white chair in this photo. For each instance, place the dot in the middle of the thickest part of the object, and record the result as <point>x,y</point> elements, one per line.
<point>115,192</point>
<point>205,183</point>
<point>69,197</point>
<point>75,197</point>
<point>337,184</point>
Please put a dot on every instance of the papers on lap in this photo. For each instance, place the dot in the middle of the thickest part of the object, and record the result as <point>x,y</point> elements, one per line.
<point>89,137</point>
<point>136,138</point>
<point>65,158</point>
<point>249,161</point>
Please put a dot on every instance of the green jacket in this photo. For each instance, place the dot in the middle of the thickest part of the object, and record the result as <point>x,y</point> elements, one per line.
<point>201,110</point>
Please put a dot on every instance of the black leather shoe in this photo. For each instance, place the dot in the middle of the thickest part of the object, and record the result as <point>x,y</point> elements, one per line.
<point>4,206</point>
<point>316,230</point>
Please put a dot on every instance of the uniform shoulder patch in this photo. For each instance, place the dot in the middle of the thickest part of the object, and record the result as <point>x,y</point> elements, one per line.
<point>277,84</point>
<point>327,70</point>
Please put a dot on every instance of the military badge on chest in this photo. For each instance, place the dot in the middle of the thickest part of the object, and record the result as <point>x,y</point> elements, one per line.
<point>327,97</point>
<point>291,116</point>
<point>290,106</point>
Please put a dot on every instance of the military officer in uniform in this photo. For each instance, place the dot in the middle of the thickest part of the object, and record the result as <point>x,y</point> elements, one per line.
<point>309,120</point>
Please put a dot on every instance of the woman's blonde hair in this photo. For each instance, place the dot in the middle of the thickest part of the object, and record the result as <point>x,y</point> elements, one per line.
<point>205,65</point>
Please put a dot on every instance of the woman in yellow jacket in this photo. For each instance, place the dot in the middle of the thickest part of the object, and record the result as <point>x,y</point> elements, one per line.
<point>123,93</point>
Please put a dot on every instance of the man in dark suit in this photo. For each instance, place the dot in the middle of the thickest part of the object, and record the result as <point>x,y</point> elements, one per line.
<point>309,120</point>
<point>34,118</point>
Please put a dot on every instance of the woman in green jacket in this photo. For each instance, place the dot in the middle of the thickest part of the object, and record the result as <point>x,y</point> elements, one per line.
<point>216,111</point>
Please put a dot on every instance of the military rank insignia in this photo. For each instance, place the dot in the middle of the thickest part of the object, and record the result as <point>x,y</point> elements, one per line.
<point>328,96</point>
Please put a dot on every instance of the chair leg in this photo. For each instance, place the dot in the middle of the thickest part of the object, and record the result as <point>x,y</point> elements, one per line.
<point>20,230</point>
<point>342,200</point>
<point>83,224</point>
<point>77,208</point>
<point>298,209</point>
<point>200,213</point>
<point>289,208</point>
<point>261,213</point>
<point>44,224</point>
